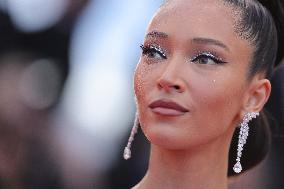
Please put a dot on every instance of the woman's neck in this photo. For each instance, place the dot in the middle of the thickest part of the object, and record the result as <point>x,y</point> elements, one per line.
<point>200,168</point>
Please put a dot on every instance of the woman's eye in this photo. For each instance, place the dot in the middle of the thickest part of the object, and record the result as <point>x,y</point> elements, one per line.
<point>207,58</point>
<point>153,51</point>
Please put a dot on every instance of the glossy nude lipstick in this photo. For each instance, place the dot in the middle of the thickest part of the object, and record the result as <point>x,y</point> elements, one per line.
<point>167,108</point>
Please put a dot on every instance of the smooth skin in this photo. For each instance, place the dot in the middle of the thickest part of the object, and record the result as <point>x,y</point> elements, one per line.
<point>201,63</point>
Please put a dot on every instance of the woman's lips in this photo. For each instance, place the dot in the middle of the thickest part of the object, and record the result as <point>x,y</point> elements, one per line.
<point>167,108</point>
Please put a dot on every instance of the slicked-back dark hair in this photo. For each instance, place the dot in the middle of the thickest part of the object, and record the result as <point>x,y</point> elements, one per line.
<point>261,29</point>
<point>256,25</point>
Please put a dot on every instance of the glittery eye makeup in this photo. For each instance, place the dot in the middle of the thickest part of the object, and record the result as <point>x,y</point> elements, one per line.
<point>153,51</point>
<point>207,58</point>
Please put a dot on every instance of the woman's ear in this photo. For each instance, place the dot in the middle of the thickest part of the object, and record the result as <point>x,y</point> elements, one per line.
<point>257,95</point>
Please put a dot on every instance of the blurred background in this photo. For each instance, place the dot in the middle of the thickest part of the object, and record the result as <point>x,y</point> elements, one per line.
<point>66,99</point>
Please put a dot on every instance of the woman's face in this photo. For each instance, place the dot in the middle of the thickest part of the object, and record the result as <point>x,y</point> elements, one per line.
<point>191,57</point>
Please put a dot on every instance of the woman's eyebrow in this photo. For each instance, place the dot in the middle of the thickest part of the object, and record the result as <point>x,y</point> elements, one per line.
<point>209,41</point>
<point>198,40</point>
<point>156,34</point>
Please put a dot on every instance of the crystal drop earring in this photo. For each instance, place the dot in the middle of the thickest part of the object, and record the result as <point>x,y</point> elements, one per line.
<point>244,130</point>
<point>127,151</point>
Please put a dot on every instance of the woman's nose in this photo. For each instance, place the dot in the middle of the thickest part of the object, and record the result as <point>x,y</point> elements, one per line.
<point>170,81</point>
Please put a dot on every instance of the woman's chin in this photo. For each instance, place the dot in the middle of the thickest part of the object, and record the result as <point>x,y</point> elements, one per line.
<point>173,138</point>
<point>164,139</point>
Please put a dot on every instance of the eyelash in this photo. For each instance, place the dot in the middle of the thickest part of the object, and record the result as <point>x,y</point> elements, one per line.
<point>207,55</point>
<point>147,50</point>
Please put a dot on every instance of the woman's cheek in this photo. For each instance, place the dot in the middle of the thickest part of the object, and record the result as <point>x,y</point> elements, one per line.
<point>221,103</point>
<point>142,79</point>
<point>139,81</point>
<point>140,89</point>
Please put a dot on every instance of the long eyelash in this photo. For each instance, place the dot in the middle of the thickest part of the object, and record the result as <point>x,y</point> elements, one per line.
<point>157,48</point>
<point>208,55</point>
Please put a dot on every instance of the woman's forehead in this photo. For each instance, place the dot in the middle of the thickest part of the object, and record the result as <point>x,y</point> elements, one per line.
<point>178,5</point>
<point>182,9</point>
<point>192,17</point>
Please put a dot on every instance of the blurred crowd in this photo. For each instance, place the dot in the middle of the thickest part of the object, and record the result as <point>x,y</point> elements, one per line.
<point>66,99</point>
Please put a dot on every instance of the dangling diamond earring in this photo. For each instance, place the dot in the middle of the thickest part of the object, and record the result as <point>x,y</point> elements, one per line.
<point>127,151</point>
<point>242,139</point>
